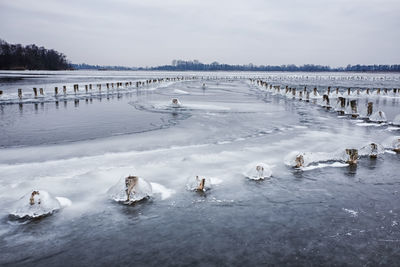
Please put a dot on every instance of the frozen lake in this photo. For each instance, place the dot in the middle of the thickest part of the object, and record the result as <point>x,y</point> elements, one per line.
<point>79,145</point>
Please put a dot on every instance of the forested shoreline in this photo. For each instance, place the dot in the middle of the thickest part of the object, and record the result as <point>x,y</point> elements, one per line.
<point>31,57</point>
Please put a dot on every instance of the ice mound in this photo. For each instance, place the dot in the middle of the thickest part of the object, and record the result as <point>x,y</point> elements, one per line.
<point>392,143</point>
<point>378,116</point>
<point>38,203</point>
<point>258,171</point>
<point>175,103</point>
<point>129,190</point>
<point>371,150</point>
<point>197,183</point>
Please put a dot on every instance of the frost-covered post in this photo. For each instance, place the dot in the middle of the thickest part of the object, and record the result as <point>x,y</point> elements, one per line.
<point>299,161</point>
<point>20,93</point>
<point>325,99</point>
<point>315,91</point>
<point>90,86</point>
<point>353,105</point>
<point>35,92</point>
<point>130,183</point>
<point>367,91</point>
<point>378,91</point>
<point>41,91</point>
<point>370,108</point>
<point>55,91</point>
<point>353,156</point>
<point>348,91</point>
<point>65,90</point>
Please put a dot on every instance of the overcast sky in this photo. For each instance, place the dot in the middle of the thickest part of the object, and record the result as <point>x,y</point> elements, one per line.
<point>262,32</point>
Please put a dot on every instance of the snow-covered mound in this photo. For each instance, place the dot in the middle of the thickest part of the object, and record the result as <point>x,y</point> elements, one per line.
<point>37,204</point>
<point>259,171</point>
<point>141,190</point>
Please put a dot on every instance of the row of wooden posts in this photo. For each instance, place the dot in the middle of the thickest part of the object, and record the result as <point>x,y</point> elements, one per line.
<point>107,85</point>
<point>307,96</point>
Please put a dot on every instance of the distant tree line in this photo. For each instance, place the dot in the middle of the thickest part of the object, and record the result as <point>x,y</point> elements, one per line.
<point>84,66</point>
<point>30,57</point>
<point>180,65</point>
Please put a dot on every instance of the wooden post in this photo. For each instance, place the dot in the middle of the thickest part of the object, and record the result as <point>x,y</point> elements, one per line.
<point>90,86</point>
<point>65,90</point>
<point>353,156</point>
<point>348,91</point>
<point>353,105</point>
<point>86,88</point>
<point>108,85</point>
<point>56,91</point>
<point>370,108</point>
<point>329,90</point>
<point>1,92</point>
<point>41,91</point>
<point>367,91</point>
<point>299,161</point>
<point>378,91</point>
<point>35,92</point>
<point>130,184</point>
<point>20,93</point>
<point>315,91</point>
<point>325,98</point>
<point>374,151</point>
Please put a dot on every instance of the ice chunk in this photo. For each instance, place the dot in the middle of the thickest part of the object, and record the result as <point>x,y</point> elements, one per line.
<point>130,190</point>
<point>258,171</point>
<point>37,204</point>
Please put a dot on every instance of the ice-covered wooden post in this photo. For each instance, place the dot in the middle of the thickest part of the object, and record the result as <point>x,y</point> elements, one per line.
<point>367,91</point>
<point>353,105</point>
<point>342,101</point>
<point>337,90</point>
<point>325,99</point>
<point>35,92</point>
<point>370,108</point>
<point>108,85</point>
<point>86,88</point>
<point>307,96</point>
<point>55,91</point>
<point>374,151</point>
<point>65,90</point>
<point>299,161</point>
<point>1,92</point>
<point>378,91</point>
<point>315,91</point>
<point>348,91</point>
<point>20,93</point>
<point>353,156</point>
<point>329,90</point>
<point>202,183</point>
<point>41,91</point>
<point>90,86</point>
<point>130,183</point>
